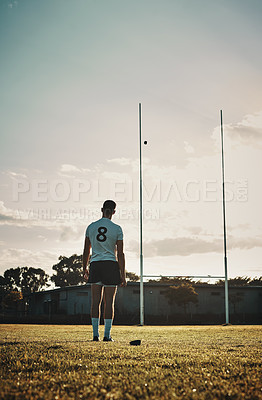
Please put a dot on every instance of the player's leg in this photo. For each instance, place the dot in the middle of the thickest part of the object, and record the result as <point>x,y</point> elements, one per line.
<point>109,305</point>
<point>97,295</point>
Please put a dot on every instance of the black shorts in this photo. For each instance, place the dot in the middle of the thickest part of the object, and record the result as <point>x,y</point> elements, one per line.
<point>107,272</point>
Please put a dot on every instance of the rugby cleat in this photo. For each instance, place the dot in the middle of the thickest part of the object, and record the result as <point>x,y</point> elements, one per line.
<point>95,339</point>
<point>106,339</point>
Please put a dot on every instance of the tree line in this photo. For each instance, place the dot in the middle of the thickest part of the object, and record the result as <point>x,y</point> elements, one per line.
<point>67,272</point>
<point>17,283</point>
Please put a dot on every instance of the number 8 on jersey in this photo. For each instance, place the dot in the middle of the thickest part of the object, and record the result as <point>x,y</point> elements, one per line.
<point>101,237</point>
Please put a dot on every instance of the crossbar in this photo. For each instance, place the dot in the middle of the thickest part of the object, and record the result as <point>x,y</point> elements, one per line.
<point>183,276</point>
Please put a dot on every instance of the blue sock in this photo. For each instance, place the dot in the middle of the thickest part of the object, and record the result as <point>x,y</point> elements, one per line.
<point>108,326</point>
<point>95,324</point>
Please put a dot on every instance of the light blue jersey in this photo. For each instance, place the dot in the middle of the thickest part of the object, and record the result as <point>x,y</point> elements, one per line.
<point>103,235</point>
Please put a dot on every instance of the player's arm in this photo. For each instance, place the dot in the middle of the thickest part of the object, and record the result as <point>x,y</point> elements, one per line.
<point>86,256</point>
<point>121,260</point>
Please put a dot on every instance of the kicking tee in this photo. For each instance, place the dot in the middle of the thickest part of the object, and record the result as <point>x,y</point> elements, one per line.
<point>103,235</point>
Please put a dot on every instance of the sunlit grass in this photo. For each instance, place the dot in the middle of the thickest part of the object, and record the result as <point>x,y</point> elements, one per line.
<point>61,362</point>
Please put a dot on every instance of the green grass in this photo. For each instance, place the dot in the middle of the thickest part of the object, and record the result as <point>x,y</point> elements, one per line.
<point>61,362</point>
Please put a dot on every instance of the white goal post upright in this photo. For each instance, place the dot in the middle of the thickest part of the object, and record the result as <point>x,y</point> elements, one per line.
<point>141,220</point>
<point>224,219</point>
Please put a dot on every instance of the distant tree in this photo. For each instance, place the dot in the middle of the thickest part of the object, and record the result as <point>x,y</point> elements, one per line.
<point>33,279</point>
<point>220,282</point>
<point>238,281</point>
<point>69,271</point>
<point>132,277</point>
<point>256,282</point>
<point>12,299</point>
<point>11,279</point>
<point>182,295</point>
<point>24,279</point>
<point>199,282</point>
<point>176,280</point>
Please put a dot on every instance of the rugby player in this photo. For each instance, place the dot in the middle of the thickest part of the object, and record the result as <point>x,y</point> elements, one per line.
<point>107,267</point>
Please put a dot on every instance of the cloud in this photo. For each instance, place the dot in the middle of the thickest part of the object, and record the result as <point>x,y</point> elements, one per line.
<point>6,214</point>
<point>120,161</point>
<point>45,218</point>
<point>248,131</point>
<point>188,148</point>
<point>186,246</point>
<point>183,246</point>
<point>131,165</point>
<point>68,234</point>
<point>6,218</point>
<point>43,238</point>
<point>12,258</point>
<point>195,230</point>
<point>18,217</point>
<point>117,177</point>
<point>244,243</point>
<point>241,227</point>
<point>69,169</point>
<point>15,175</point>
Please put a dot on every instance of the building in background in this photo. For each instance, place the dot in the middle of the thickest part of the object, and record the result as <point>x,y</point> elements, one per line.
<point>72,305</point>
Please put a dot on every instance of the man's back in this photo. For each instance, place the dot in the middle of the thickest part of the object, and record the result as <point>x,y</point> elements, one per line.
<point>103,235</point>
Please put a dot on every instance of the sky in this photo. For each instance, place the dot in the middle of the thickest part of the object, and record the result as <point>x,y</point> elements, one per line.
<point>72,76</point>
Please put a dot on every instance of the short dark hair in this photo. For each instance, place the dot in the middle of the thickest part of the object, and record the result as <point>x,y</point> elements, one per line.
<point>109,205</point>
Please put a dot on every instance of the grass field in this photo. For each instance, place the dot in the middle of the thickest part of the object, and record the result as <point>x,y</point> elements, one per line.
<point>178,362</point>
